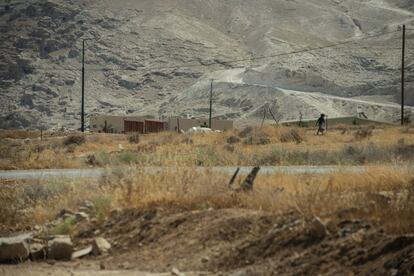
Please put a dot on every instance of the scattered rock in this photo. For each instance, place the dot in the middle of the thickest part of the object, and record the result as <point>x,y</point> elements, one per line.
<point>100,246</point>
<point>14,248</point>
<point>60,248</point>
<point>37,252</point>
<point>317,229</point>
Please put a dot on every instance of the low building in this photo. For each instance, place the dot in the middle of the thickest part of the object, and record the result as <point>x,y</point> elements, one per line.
<point>130,124</point>
<point>124,124</point>
<point>178,124</point>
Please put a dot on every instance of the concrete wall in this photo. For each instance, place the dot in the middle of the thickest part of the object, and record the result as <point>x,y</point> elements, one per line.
<point>185,124</point>
<point>115,124</point>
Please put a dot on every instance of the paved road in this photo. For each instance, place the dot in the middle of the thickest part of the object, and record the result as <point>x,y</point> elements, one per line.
<point>98,172</point>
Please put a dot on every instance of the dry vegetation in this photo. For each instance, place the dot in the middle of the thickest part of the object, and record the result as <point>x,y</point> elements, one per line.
<point>381,195</point>
<point>248,147</point>
<point>152,215</point>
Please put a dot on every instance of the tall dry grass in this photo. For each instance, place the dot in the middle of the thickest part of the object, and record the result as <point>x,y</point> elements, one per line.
<point>382,195</point>
<point>247,147</point>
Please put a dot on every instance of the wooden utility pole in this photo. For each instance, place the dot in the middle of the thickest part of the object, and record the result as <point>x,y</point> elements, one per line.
<point>264,116</point>
<point>83,88</point>
<point>402,75</point>
<point>211,103</point>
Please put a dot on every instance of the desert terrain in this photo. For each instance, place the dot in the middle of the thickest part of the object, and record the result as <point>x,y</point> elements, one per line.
<point>186,218</point>
<point>157,59</point>
<point>269,197</point>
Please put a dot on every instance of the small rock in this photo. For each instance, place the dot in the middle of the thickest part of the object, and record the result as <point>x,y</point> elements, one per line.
<point>205,259</point>
<point>66,216</point>
<point>125,265</point>
<point>102,266</point>
<point>81,253</point>
<point>51,262</point>
<point>317,229</point>
<point>84,210</point>
<point>63,212</point>
<point>100,246</point>
<point>331,227</point>
<point>176,272</point>
<point>88,204</point>
<point>60,248</point>
<point>14,248</point>
<point>81,216</point>
<point>37,252</point>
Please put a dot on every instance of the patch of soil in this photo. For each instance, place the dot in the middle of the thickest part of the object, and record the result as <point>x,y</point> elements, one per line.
<point>249,242</point>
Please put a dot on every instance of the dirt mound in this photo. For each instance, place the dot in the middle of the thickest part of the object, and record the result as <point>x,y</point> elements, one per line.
<point>250,242</point>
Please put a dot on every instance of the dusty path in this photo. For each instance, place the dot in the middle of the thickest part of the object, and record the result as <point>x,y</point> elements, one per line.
<point>49,270</point>
<point>98,172</point>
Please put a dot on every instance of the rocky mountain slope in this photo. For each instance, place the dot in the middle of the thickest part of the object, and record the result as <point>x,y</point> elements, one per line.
<point>156,58</point>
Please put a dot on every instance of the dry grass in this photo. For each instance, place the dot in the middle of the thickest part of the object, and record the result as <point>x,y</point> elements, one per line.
<point>381,194</point>
<point>37,202</point>
<point>248,147</point>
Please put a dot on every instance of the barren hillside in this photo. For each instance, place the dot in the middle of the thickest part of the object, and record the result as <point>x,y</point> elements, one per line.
<point>157,58</point>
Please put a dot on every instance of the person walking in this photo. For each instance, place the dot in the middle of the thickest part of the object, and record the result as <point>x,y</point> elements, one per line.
<point>321,124</point>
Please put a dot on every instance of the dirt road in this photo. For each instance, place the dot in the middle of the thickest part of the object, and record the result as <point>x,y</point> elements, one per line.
<point>98,172</point>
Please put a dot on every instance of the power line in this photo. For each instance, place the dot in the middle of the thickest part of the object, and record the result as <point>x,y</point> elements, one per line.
<point>226,62</point>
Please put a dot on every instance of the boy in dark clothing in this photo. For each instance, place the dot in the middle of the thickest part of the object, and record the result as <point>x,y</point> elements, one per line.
<point>321,123</point>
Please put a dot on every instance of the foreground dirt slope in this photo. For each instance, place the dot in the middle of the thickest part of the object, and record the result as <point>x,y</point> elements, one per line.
<point>252,243</point>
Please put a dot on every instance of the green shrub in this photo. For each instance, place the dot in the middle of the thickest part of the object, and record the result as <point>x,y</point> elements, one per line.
<point>65,227</point>
<point>102,207</point>
<point>129,157</point>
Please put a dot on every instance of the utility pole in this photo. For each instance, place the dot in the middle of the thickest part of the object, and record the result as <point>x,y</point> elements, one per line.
<point>402,76</point>
<point>83,88</point>
<point>211,103</point>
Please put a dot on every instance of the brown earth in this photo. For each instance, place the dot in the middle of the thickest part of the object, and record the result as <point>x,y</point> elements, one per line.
<point>238,242</point>
<point>232,242</point>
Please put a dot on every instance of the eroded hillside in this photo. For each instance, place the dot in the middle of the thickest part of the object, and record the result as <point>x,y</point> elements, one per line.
<point>157,58</point>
